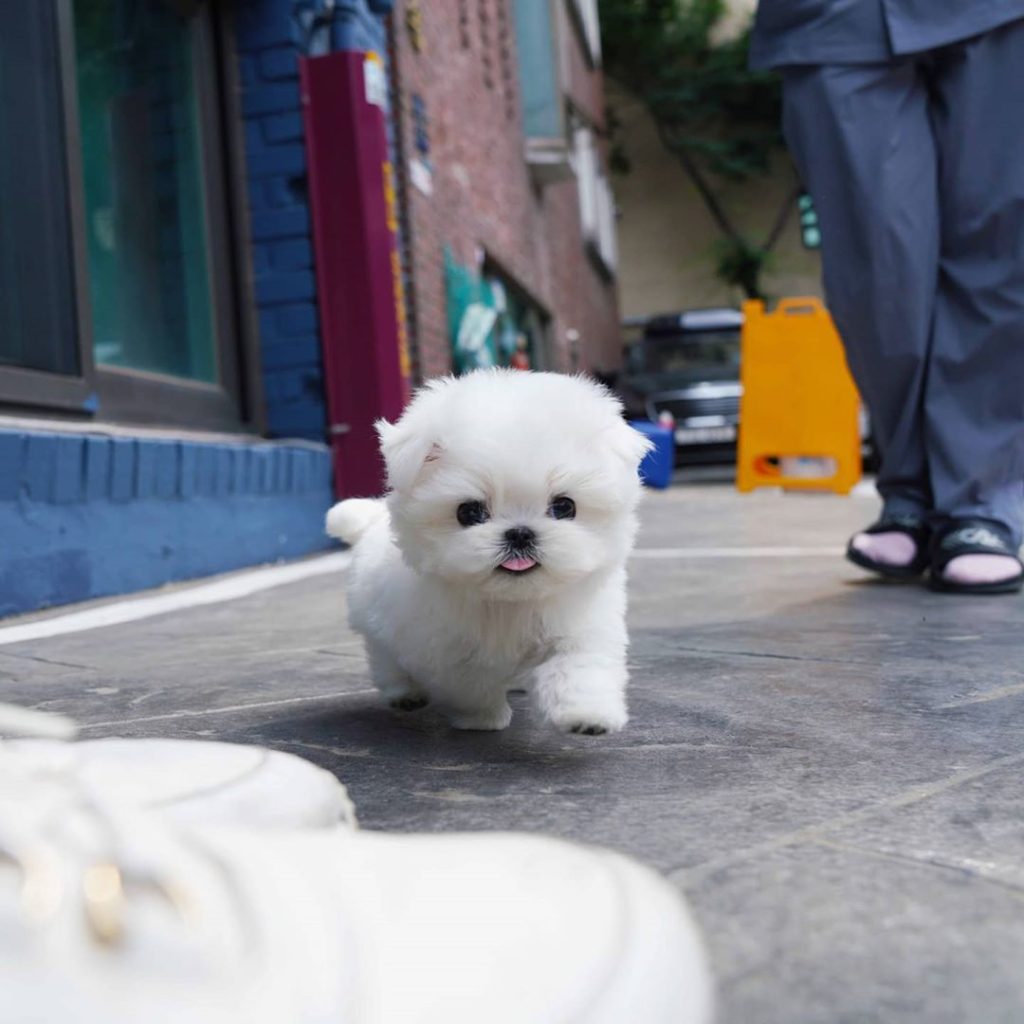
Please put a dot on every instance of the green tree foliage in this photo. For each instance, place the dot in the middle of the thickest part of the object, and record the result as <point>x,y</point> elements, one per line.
<point>719,119</point>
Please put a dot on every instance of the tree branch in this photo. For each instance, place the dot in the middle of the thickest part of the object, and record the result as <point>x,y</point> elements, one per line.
<point>715,208</point>
<point>782,218</point>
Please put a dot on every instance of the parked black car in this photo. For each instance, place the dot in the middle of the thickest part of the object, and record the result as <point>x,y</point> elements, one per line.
<point>688,365</point>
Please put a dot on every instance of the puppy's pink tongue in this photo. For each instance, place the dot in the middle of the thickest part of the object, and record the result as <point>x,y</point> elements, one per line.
<point>518,564</point>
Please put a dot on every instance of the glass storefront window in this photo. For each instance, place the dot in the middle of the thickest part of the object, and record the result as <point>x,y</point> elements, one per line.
<point>37,312</point>
<point>144,201</point>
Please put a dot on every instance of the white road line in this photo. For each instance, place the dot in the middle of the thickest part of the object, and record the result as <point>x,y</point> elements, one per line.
<point>231,588</point>
<point>830,552</point>
<point>254,581</point>
<point>203,712</point>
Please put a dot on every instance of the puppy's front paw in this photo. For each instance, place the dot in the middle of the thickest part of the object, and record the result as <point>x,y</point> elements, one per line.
<point>590,720</point>
<point>482,719</point>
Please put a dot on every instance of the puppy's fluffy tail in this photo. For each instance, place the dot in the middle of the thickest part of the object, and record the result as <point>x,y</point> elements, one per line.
<point>349,520</point>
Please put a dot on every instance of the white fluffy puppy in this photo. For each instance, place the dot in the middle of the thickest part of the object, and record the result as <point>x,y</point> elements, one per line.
<point>498,559</point>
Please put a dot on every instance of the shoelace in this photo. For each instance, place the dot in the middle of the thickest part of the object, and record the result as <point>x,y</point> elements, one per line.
<point>68,843</point>
<point>74,849</point>
<point>100,885</point>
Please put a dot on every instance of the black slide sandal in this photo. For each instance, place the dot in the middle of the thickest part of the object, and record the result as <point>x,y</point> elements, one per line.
<point>915,528</point>
<point>971,537</point>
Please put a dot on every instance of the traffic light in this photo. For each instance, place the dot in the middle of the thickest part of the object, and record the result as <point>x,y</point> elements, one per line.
<point>810,231</point>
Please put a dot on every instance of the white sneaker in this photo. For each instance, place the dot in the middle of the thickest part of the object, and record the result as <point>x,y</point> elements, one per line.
<point>192,782</point>
<point>115,914</point>
<point>516,929</point>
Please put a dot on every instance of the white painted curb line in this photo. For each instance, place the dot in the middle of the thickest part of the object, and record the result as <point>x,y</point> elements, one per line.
<point>241,584</point>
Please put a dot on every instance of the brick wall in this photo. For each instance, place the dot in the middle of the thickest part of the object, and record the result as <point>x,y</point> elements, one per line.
<point>482,199</point>
<point>583,84</point>
<point>269,37</point>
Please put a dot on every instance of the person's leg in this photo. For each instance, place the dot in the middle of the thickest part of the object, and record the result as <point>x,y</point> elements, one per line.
<point>974,394</point>
<point>862,141</point>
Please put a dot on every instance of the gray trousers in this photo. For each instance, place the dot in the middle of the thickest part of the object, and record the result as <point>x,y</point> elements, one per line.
<point>916,168</point>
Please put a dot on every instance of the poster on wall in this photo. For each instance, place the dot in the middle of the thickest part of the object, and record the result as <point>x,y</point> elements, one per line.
<point>489,322</point>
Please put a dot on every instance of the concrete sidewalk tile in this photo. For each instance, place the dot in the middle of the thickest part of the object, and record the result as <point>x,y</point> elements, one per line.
<point>828,766</point>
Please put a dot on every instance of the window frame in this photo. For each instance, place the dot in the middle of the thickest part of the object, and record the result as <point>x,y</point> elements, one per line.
<point>122,394</point>
<point>596,199</point>
<point>26,388</point>
<point>584,14</point>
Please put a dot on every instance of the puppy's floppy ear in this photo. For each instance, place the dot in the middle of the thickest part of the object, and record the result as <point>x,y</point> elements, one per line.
<point>405,452</point>
<point>626,443</point>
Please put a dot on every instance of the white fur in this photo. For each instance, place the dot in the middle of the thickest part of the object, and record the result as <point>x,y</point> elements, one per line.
<point>349,520</point>
<point>441,621</point>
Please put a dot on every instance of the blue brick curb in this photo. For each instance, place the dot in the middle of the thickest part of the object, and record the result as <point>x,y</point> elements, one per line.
<point>84,516</point>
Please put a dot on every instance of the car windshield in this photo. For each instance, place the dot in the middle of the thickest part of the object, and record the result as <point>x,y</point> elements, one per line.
<point>685,352</point>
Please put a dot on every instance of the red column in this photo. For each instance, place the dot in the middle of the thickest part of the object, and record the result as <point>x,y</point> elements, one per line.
<point>359,280</point>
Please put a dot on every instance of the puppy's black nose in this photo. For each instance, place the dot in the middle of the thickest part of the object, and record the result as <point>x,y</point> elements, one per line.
<point>520,537</point>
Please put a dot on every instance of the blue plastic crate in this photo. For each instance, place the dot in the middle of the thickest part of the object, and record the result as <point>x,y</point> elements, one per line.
<point>656,469</point>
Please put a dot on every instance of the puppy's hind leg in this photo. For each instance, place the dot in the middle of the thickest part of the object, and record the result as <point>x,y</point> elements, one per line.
<point>471,707</point>
<point>490,718</point>
<point>395,684</point>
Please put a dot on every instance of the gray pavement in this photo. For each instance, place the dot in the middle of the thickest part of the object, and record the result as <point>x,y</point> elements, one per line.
<point>828,766</point>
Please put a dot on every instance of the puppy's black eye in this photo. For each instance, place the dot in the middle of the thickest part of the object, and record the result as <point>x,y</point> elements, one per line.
<point>562,508</point>
<point>472,513</point>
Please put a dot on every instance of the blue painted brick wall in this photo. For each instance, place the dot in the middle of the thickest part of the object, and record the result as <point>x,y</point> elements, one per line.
<point>87,516</point>
<point>269,38</point>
